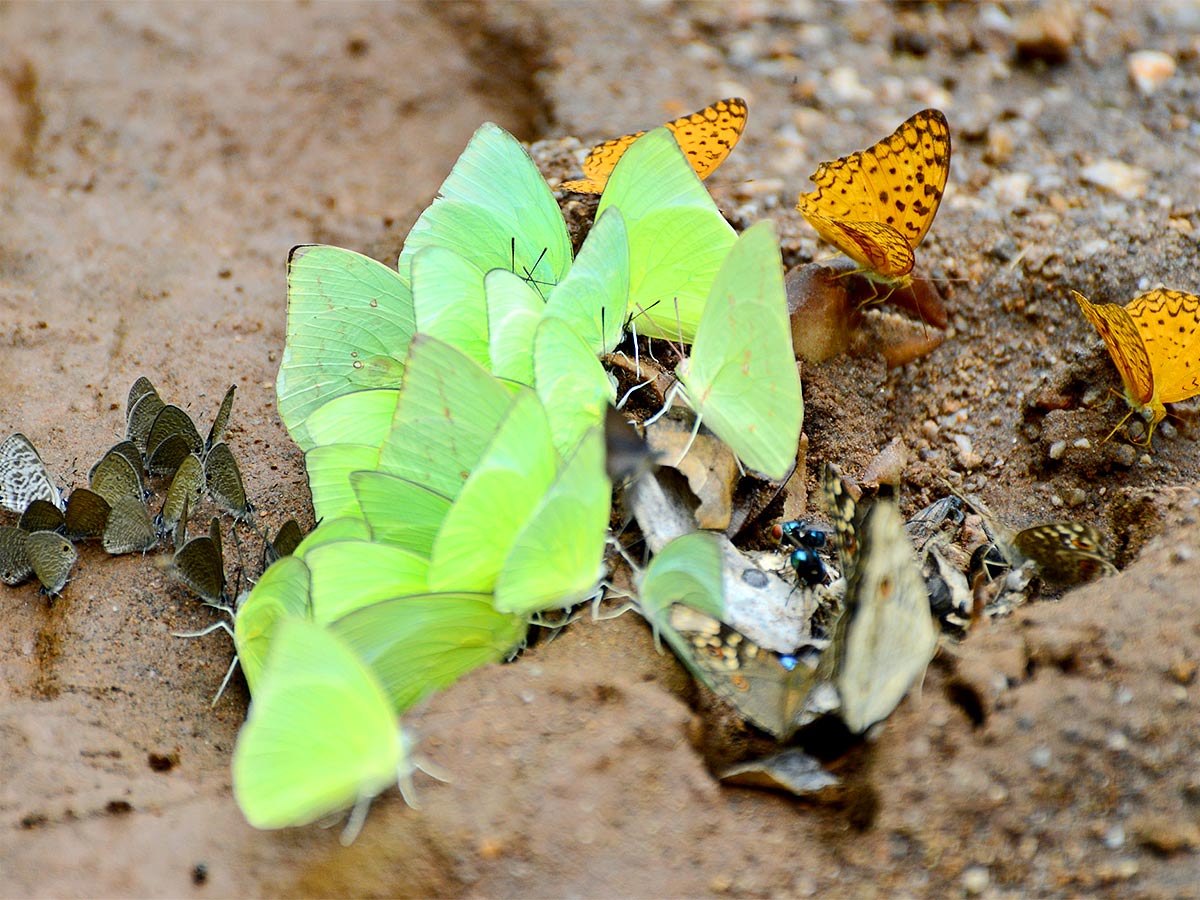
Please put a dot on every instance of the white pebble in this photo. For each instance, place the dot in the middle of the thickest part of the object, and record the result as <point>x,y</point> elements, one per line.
<point>1149,70</point>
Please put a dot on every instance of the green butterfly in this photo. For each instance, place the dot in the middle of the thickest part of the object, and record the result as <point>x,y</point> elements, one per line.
<point>741,373</point>
<point>571,383</point>
<point>681,594</point>
<point>677,236</point>
<point>422,643</point>
<point>496,212</point>
<point>592,299</point>
<point>320,736</point>
<point>350,320</point>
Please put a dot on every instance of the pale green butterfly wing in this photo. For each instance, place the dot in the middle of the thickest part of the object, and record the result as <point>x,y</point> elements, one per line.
<point>676,257</point>
<point>504,489</point>
<point>347,575</point>
<point>886,635</point>
<point>420,644</point>
<point>688,571</point>
<point>114,476</point>
<point>329,469</point>
<point>497,211</point>
<point>572,384</point>
<point>361,417</point>
<point>514,311</point>
<point>741,375</point>
<point>449,303</point>
<point>677,236</point>
<point>350,320</point>
<point>282,591</point>
<point>449,409</point>
<point>558,556</point>
<point>681,594</point>
<point>592,298</point>
<point>399,511</point>
<point>343,528</point>
<point>320,735</point>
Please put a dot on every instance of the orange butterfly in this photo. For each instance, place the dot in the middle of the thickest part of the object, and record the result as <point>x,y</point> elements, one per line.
<point>876,205</point>
<point>1154,341</point>
<point>706,138</point>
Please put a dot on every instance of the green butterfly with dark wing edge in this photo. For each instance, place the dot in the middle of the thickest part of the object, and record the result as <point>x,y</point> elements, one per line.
<point>681,595</point>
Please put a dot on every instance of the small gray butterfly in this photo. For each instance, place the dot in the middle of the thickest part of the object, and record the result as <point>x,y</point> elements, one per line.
<point>23,476</point>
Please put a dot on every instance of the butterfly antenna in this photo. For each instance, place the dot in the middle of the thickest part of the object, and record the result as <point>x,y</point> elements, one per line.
<point>625,397</point>
<point>692,440</point>
<point>667,401</point>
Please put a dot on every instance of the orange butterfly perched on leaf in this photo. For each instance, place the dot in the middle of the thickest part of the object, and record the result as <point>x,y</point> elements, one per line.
<point>1154,341</point>
<point>876,205</point>
<point>706,138</point>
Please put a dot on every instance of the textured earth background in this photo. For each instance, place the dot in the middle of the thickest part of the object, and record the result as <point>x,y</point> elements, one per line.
<point>158,161</point>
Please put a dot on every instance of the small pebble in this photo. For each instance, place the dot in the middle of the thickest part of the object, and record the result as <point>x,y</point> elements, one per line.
<point>1181,554</point>
<point>1182,670</point>
<point>1117,742</point>
<point>1047,32</point>
<point>1040,757</point>
<point>1126,181</point>
<point>975,880</point>
<point>1114,838</point>
<point>1074,498</point>
<point>1125,455</point>
<point>1082,444</point>
<point>1057,449</point>
<point>1149,70</point>
<point>1122,696</point>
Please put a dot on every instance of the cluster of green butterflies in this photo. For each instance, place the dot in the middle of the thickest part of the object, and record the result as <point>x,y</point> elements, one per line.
<point>451,415</point>
<point>161,442</point>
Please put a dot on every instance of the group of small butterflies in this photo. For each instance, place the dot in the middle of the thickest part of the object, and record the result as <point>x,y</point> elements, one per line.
<point>876,206</point>
<point>161,442</point>
<point>875,629</point>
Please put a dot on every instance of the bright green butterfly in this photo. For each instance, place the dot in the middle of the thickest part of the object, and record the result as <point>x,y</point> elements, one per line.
<point>558,556</point>
<point>449,302</point>
<point>512,476</point>
<point>573,386</point>
<point>282,591</point>
<point>593,297</point>
<point>419,644</point>
<point>687,570</point>
<point>399,511</point>
<point>681,595</point>
<point>514,312</point>
<point>347,575</point>
<point>361,417</point>
<point>741,374</point>
<point>496,211</point>
<point>677,236</point>
<point>448,412</point>
<point>320,736</point>
<point>350,320</point>
<point>343,528</point>
<point>329,470</point>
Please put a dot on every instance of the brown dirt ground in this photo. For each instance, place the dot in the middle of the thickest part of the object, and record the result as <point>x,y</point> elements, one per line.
<point>157,162</point>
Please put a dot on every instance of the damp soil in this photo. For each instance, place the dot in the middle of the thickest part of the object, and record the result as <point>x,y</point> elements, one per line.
<point>158,161</point>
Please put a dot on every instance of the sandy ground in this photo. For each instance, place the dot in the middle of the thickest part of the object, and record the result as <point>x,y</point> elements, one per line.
<point>158,161</point>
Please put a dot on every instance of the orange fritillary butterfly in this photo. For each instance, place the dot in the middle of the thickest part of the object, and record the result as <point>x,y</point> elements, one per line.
<point>706,138</point>
<point>877,204</point>
<point>1154,341</point>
